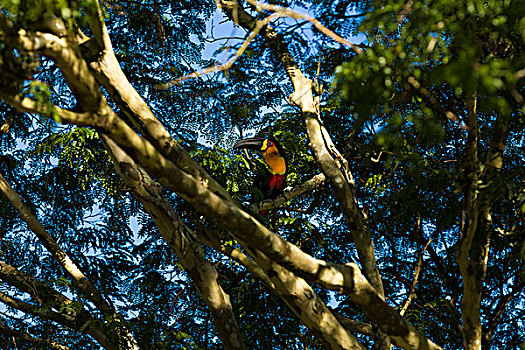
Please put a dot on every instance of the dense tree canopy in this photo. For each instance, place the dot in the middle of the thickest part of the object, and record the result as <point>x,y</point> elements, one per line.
<point>129,222</point>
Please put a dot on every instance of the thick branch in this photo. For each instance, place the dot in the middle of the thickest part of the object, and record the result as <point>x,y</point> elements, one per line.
<point>500,131</point>
<point>110,75</point>
<point>180,239</point>
<point>208,238</point>
<point>296,293</point>
<point>472,280</point>
<point>319,139</point>
<point>64,116</point>
<point>305,303</point>
<point>68,58</point>
<point>360,327</point>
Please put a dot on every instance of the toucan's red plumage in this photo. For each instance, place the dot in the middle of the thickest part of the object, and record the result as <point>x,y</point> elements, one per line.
<point>273,181</point>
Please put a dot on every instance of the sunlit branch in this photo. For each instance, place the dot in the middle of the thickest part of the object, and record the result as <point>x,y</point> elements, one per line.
<point>48,300</point>
<point>60,115</point>
<point>68,58</point>
<point>305,303</point>
<point>433,100</point>
<point>99,29</point>
<point>258,26</point>
<point>471,192</point>
<point>181,240</point>
<point>417,271</point>
<point>109,74</point>
<point>209,239</point>
<point>285,281</point>
<point>286,12</point>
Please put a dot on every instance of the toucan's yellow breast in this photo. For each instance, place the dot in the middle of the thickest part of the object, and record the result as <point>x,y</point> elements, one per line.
<point>277,166</point>
<point>276,163</point>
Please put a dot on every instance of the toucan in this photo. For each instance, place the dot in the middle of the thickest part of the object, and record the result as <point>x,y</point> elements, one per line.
<point>273,181</point>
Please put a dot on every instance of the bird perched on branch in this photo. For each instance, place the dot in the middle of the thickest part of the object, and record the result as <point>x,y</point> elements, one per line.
<point>273,181</point>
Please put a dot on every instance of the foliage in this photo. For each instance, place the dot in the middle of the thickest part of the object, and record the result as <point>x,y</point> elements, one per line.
<point>397,111</point>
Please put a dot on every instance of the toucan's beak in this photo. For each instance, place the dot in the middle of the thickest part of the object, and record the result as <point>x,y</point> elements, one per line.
<point>250,143</point>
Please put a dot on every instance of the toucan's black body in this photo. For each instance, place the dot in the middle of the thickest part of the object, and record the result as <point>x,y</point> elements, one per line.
<point>273,181</point>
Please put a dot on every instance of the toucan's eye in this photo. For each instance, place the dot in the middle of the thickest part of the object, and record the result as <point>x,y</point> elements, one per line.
<point>270,143</point>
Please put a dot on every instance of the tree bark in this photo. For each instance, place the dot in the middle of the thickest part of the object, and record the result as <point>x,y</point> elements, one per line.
<point>69,314</point>
<point>253,235</point>
<point>336,169</point>
<point>26,338</point>
<point>181,240</point>
<point>109,74</point>
<point>87,289</point>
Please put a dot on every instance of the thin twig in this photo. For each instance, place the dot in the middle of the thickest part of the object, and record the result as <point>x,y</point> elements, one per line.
<point>416,277</point>
<point>286,12</point>
<point>228,64</point>
<point>278,12</point>
<point>424,91</point>
<point>315,182</point>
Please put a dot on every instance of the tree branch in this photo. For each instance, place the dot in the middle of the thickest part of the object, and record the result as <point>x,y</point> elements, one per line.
<point>354,326</point>
<point>330,160</point>
<point>69,314</point>
<point>305,303</point>
<point>417,270</point>
<point>435,103</point>
<point>286,12</point>
<point>240,51</point>
<point>181,240</point>
<point>210,239</point>
<point>109,74</point>
<point>60,115</point>
<point>87,289</point>
<point>24,337</point>
<point>295,292</point>
<point>503,302</point>
<point>69,59</point>
<point>85,286</point>
<point>312,184</point>
<point>470,272</point>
